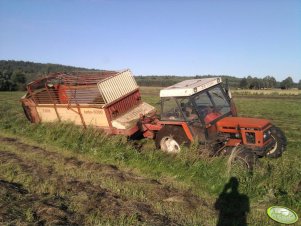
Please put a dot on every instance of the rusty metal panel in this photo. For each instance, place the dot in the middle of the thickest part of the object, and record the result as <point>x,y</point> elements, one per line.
<point>124,104</point>
<point>117,86</point>
<point>72,89</point>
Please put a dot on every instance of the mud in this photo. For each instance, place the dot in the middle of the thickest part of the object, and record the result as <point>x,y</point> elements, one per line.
<point>50,209</point>
<point>19,207</point>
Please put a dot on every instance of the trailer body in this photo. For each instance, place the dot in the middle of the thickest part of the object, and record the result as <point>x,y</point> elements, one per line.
<point>107,100</point>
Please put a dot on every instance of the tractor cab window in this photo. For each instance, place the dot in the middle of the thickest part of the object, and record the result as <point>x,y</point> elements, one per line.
<point>203,103</point>
<point>211,104</point>
<point>170,110</point>
<point>221,103</point>
<point>188,109</point>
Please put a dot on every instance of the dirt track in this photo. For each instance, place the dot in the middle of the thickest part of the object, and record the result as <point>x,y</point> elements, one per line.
<point>76,200</point>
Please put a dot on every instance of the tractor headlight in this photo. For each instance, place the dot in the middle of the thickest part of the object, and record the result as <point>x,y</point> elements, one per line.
<point>266,135</point>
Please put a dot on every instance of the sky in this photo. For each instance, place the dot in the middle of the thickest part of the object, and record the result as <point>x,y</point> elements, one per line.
<point>157,37</point>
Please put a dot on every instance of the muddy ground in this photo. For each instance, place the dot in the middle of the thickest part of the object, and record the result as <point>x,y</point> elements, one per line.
<point>78,200</point>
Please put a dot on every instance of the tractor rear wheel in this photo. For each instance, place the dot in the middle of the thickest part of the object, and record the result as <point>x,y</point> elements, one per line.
<point>170,138</point>
<point>280,143</point>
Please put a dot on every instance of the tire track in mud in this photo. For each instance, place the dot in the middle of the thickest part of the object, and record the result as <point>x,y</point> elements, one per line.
<point>100,199</point>
<point>109,203</point>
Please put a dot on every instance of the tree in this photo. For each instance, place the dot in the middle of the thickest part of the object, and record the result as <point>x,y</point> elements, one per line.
<point>249,79</point>
<point>12,81</point>
<point>243,83</point>
<point>287,83</point>
<point>269,82</point>
<point>273,82</point>
<point>256,83</point>
<point>299,84</point>
<point>6,83</point>
<point>18,79</point>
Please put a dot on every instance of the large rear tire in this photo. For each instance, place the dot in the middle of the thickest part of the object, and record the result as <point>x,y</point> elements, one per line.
<point>170,138</point>
<point>280,143</point>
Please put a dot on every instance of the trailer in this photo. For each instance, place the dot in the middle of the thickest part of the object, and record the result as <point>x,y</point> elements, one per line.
<point>108,100</point>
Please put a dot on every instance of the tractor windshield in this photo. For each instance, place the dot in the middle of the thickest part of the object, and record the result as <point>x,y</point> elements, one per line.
<point>211,104</point>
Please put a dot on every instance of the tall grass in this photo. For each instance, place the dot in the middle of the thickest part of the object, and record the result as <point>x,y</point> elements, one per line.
<point>268,92</point>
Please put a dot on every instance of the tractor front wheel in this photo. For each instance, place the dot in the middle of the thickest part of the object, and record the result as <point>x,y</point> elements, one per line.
<point>280,143</point>
<point>170,138</point>
<point>244,157</point>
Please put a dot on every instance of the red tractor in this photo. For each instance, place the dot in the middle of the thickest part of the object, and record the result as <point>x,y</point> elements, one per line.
<point>203,110</point>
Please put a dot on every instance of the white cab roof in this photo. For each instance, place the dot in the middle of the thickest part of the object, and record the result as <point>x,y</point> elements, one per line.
<point>189,87</point>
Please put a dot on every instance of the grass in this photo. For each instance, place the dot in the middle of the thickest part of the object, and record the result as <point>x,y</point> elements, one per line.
<point>274,182</point>
<point>268,92</point>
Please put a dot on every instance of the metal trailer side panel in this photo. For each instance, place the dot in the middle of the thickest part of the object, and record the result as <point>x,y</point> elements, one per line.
<point>91,116</point>
<point>116,87</point>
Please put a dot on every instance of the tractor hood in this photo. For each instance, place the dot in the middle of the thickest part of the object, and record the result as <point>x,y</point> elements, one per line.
<point>242,122</point>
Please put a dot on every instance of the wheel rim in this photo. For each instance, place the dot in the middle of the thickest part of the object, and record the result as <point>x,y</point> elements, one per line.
<point>243,162</point>
<point>170,145</point>
<point>273,148</point>
<point>242,158</point>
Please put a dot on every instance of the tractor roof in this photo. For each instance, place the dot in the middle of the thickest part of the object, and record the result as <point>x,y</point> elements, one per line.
<point>189,87</point>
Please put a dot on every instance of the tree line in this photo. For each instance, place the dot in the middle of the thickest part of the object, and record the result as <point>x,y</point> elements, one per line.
<point>12,80</point>
<point>168,80</point>
<point>268,82</point>
<point>14,75</point>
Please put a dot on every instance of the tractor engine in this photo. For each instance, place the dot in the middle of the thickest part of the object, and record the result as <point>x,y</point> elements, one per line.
<point>254,133</point>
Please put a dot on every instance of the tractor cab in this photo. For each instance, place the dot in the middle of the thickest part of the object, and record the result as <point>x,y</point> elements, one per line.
<point>198,102</point>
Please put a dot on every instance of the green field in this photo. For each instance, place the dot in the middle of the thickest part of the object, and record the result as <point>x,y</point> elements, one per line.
<point>268,92</point>
<point>63,174</point>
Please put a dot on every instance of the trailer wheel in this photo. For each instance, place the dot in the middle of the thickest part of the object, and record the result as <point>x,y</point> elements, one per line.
<point>280,143</point>
<point>170,139</point>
